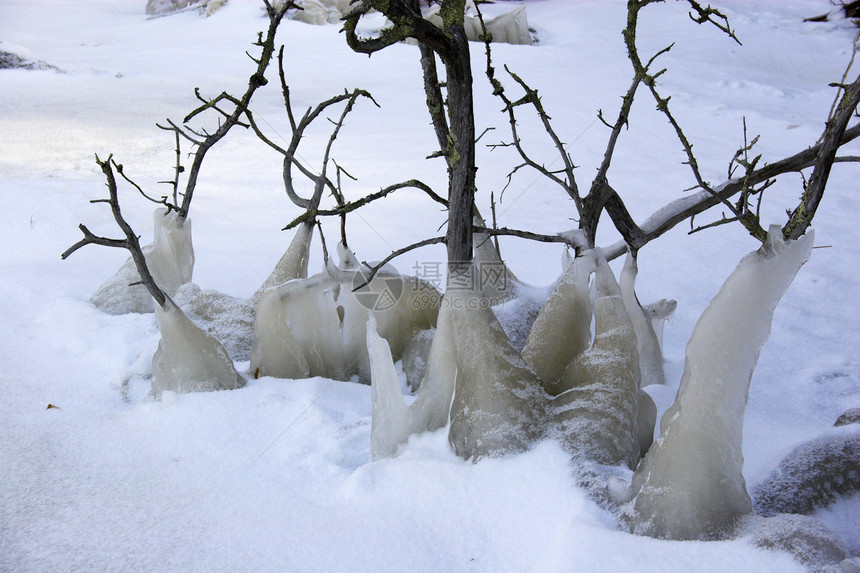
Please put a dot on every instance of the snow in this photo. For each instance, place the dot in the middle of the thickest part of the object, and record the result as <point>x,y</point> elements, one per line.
<point>278,475</point>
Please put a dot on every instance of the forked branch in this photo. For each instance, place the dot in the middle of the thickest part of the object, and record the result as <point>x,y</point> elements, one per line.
<point>130,242</point>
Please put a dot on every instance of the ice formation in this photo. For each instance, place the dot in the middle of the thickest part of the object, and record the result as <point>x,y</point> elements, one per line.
<point>597,411</point>
<point>509,28</point>
<point>499,405</point>
<point>647,342</point>
<point>317,326</point>
<point>562,329</point>
<point>392,421</point>
<point>813,475</point>
<point>294,262</point>
<point>170,259</point>
<point>690,484</point>
<point>228,319</point>
<point>645,422</point>
<point>189,359</point>
<point>659,312</point>
<point>320,12</point>
<point>497,281</point>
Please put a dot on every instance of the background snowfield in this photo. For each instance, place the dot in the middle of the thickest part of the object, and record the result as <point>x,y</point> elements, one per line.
<point>277,476</point>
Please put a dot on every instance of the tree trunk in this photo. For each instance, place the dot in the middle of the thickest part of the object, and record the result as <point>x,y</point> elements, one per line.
<point>461,149</point>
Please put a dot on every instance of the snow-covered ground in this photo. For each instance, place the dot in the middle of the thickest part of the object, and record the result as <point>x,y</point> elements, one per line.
<point>277,476</point>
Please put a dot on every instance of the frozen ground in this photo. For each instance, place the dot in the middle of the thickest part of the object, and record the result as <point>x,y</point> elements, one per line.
<point>277,476</point>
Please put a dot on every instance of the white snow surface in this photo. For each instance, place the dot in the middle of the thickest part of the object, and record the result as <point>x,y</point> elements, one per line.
<point>277,476</point>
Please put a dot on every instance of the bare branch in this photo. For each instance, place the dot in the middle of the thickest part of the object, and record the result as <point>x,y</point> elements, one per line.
<point>311,214</point>
<point>674,212</point>
<point>256,80</point>
<point>712,16</point>
<point>131,242</point>
<point>802,215</point>
<point>162,201</point>
<point>538,237</point>
<point>376,268</point>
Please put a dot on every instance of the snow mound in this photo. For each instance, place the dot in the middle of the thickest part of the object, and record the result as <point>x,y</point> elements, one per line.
<point>807,539</point>
<point>813,475</point>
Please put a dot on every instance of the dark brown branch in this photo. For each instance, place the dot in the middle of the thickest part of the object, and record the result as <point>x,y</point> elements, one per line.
<point>376,268</point>
<point>256,80</point>
<point>435,101</point>
<point>802,215</point>
<point>131,242</point>
<point>162,201</point>
<point>531,97</point>
<point>668,216</point>
<point>311,214</point>
<point>538,237</point>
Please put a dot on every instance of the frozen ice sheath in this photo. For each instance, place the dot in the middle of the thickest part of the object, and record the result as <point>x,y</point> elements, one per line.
<point>562,329</point>
<point>499,405</point>
<point>189,359</point>
<point>690,485</point>
<point>293,264</point>
<point>597,411</point>
<point>647,341</point>
<point>170,259</point>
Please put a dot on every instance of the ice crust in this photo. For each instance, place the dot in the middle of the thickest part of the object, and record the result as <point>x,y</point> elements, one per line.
<point>170,259</point>
<point>189,359</point>
<point>690,484</point>
<point>562,329</point>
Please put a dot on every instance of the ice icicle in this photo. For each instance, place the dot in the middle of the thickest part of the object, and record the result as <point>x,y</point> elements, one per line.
<point>499,405</point>
<point>390,425</point>
<point>170,259</point>
<point>647,343</point>
<point>566,260</point>
<point>690,485</point>
<point>294,263</point>
<point>562,329</point>
<point>189,359</point>
<point>598,416</point>
<point>392,421</point>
